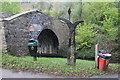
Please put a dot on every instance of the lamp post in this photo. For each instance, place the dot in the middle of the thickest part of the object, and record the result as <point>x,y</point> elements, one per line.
<point>71,54</point>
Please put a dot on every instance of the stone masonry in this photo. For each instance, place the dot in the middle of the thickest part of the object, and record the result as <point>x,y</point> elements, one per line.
<point>15,33</point>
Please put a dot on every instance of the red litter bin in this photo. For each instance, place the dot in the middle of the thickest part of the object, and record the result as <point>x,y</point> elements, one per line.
<point>104,59</point>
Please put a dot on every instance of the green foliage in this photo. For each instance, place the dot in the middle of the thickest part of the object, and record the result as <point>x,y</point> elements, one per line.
<point>61,10</point>
<point>76,9</point>
<point>96,12</point>
<point>54,13</point>
<point>104,18</point>
<point>109,28</point>
<point>56,66</point>
<point>86,53</point>
<point>85,40</point>
<point>84,36</point>
<point>10,7</point>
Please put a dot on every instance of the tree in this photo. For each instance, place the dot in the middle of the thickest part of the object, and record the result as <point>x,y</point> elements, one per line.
<point>10,7</point>
<point>84,36</point>
<point>101,27</point>
<point>77,9</point>
<point>95,12</point>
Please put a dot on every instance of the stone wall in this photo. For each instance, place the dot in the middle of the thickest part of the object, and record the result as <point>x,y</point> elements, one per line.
<point>16,34</point>
<point>3,45</point>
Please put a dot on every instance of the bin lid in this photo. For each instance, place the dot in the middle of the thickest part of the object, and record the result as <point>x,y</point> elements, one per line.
<point>106,54</point>
<point>33,43</point>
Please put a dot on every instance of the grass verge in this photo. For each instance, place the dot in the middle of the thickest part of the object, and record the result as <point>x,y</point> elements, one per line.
<point>55,66</point>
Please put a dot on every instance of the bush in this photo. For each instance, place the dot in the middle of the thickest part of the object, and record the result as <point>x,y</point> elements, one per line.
<point>86,54</point>
<point>84,36</point>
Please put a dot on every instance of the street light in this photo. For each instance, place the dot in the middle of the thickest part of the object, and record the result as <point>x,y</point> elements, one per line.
<point>71,54</point>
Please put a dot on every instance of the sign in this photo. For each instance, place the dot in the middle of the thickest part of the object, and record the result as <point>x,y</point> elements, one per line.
<point>35,27</point>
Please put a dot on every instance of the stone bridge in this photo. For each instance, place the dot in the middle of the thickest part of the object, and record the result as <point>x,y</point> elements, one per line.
<point>15,34</point>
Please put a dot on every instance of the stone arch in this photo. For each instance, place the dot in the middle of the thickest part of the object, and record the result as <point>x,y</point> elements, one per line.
<point>48,42</point>
<point>16,33</point>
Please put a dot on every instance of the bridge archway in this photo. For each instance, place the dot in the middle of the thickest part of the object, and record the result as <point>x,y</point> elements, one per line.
<point>19,35</point>
<point>48,42</point>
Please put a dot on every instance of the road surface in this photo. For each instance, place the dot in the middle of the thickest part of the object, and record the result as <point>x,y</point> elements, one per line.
<point>12,74</point>
<point>107,76</point>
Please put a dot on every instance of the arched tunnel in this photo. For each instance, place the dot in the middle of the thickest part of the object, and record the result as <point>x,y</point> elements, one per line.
<point>48,43</point>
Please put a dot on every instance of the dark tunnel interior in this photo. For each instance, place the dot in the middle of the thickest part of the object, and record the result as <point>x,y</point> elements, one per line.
<point>48,42</point>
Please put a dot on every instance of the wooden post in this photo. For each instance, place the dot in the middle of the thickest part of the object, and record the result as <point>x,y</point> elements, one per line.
<point>96,55</point>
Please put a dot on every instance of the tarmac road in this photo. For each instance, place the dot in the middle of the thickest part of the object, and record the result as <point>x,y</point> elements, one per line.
<point>107,76</point>
<point>12,74</point>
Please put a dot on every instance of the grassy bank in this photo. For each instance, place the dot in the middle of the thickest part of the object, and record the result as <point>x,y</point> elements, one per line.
<point>55,66</point>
